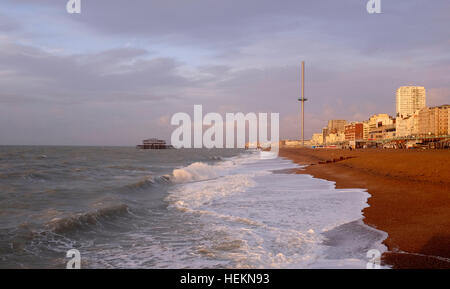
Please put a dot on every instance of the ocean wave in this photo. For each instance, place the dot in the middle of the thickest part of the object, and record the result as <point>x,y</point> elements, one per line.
<point>142,184</point>
<point>194,195</point>
<point>55,235</point>
<point>148,182</point>
<point>194,172</point>
<point>82,220</point>
<point>197,171</point>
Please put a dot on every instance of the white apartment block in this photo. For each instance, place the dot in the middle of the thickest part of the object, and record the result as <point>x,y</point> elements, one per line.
<point>409,99</point>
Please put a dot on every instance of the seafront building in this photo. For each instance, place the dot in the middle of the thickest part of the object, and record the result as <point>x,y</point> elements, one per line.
<point>290,143</point>
<point>336,125</point>
<point>381,119</point>
<point>331,134</point>
<point>380,126</point>
<point>353,131</point>
<point>324,134</point>
<point>317,139</point>
<point>335,138</point>
<point>434,121</point>
<point>414,123</point>
<point>409,99</point>
<point>365,130</point>
<point>408,126</point>
<point>382,132</point>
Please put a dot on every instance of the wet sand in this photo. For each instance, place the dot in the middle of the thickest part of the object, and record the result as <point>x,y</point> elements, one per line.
<point>410,197</point>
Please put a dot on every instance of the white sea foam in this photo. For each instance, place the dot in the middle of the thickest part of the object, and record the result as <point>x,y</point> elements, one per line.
<point>257,219</point>
<point>194,172</point>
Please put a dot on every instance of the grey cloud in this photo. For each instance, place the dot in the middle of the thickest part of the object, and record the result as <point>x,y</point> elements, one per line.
<point>231,24</point>
<point>7,24</point>
<point>118,74</point>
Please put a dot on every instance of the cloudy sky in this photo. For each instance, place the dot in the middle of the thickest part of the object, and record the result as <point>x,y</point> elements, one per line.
<point>117,72</point>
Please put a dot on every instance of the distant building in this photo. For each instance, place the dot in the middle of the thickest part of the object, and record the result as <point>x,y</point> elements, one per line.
<point>413,119</point>
<point>389,131</point>
<point>335,138</point>
<point>354,131</point>
<point>317,139</point>
<point>407,126</point>
<point>409,99</point>
<point>380,119</point>
<point>434,120</point>
<point>336,125</point>
<point>376,124</point>
<point>325,132</point>
<point>365,130</point>
<point>334,132</point>
<point>383,132</point>
<point>292,143</point>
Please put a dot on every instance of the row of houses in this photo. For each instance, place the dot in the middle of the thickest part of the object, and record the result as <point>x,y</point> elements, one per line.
<point>413,119</point>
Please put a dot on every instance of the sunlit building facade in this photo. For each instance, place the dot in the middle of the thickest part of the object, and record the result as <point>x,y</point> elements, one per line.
<point>434,121</point>
<point>354,131</point>
<point>409,99</point>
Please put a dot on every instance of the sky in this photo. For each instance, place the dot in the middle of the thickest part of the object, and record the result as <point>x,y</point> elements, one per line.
<point>116,73</point>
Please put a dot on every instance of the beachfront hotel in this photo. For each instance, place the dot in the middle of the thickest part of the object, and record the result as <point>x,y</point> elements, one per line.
<point>409,99</point>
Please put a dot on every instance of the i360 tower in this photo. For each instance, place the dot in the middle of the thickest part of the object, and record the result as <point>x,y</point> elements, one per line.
<point>302,100</point>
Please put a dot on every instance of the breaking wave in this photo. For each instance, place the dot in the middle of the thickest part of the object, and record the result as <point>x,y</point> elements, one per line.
<point>148,182</point>
<point>55,234</point>
<point>195,172</point>
<point>81,220</point>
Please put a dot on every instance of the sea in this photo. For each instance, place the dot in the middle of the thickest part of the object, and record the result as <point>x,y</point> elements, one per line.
<point>121,207</point>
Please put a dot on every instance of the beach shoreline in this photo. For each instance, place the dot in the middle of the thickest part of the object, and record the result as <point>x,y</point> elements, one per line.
<point>410,197</point>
